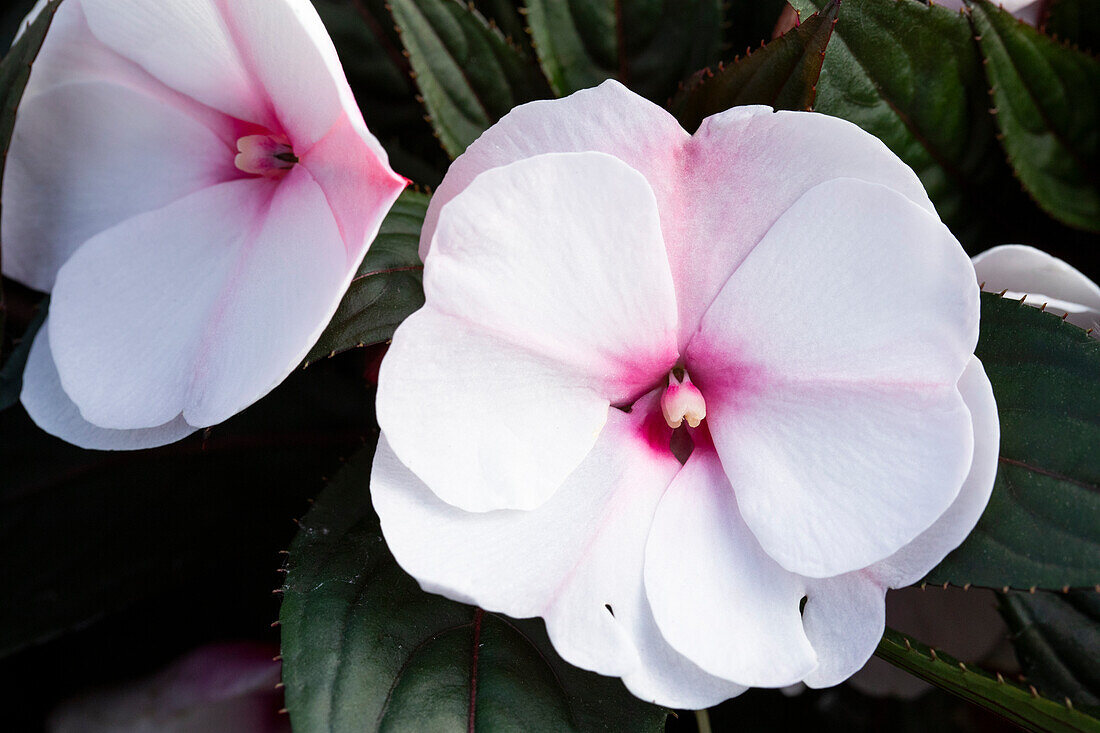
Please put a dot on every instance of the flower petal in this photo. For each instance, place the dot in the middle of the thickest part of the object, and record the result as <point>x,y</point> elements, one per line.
<point>739,176</point>
<point>608,119</point>
<point>287,47</point>
<point>87,156</point>
<point>486,424</point>
<point>200,307</point>
<point>697,180</point>
<point>570,560</point>
<point>844,619</point>
<point>352,169</point>
<point>535,321</point>
<point>53,411</point>
<point>188,46</point>
<point>567,561</point>
<point>1044,279</point>
<point>132,306</point>
<point>916,559</point>
<point>831,386</point>
<point>718,599</point>
<point>287,281</point>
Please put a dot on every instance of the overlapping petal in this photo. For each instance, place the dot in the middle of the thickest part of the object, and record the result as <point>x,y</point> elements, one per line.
<point>834,406</point>
<point>843,619</point>
<point>699,181</point>
<point>718,598</point>
<point>541,312</point>
<point>584,575</point>
<point>916,559</point>
<point>53,411</point>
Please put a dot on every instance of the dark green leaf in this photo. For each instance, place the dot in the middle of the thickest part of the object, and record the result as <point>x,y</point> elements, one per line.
<point>1042,525</point>
<point>1076,21</point>
<point>86,533</point>
<point>751,23</point>
<point>1007,699</point>
<point>11,375</point>
<point>387,287</point>
<point>648,45</point>
<point>15,70</point>
<point>468,74</point>
<point>364,649</point>
<point>783,74</point>
<point>508,16</point>
<point>1047,98</point>
<point>910,74</point>
<point>1057,640</point>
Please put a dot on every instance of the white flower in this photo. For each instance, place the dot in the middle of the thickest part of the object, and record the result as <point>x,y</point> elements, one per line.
<point>587,255</point>
<point>195,185</point>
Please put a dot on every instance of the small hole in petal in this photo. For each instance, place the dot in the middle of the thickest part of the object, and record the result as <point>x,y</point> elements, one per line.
<point>802,604</point>
<point>609,609</point>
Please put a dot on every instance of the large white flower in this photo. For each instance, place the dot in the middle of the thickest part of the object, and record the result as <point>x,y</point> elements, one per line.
<point>594,274</point>
<point>194,183</point>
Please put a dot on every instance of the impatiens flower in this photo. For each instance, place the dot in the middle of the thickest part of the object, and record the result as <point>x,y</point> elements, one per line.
<point>194,184</point>
<point>696,400</point>
<point>1040,280</point>
<point>220,688</point>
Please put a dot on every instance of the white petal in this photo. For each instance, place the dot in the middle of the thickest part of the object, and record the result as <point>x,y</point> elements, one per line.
<point>718,191</point>
<point>280,294</point>
<point>1044,279</point>
<point>287,47</point>
<point>53,411</point>
<point>133,306</point>
<point>716,596</point>
<point>200,307</point>
<point>534,323</point>
<point>844,619</point>
<point>566,561</point>
<point>666,677</point>
<point>486,424</point>
<point>916,559</point>
<point>831,386</point>
<point>187,45</point>
<point>608,118</point>
<point>742,171</point>
<point>87,156</point>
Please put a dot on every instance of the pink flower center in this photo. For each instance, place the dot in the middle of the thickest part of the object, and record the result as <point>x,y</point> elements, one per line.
<point>270,156</point>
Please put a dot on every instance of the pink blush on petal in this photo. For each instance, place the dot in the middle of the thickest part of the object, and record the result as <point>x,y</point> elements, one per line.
<point>654,432</point>
<point>722,373</point>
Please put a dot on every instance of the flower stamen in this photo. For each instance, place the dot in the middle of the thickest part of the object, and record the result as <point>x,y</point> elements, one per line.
<point>265,155</point>
<point>682,401</point>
